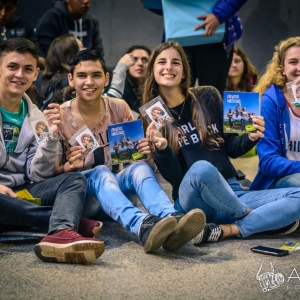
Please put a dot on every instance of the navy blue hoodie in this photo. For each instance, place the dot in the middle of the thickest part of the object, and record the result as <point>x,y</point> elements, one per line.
<point>58,21</point>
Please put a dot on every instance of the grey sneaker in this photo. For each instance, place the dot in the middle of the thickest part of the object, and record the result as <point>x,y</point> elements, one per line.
<point>154,231</point>
<point>210,233</point>
<point>189,225</point>
<point>286,229</point>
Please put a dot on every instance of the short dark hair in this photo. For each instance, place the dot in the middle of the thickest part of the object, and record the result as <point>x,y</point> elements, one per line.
<point>139,47</point>
<point>20,45</point>
<point>15,2</point>
<point>85,55</point>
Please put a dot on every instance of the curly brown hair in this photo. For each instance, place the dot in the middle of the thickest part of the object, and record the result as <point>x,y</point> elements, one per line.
<point>273,74</point>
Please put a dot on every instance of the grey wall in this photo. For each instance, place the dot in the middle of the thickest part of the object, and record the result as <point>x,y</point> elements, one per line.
<point>125,22</point>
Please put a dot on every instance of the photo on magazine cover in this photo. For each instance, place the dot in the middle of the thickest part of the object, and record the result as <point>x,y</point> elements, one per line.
<point>85,138</point>
<point>294,94</point>
<point>123,140</point>
<point>156,111</point>
<point>239,107</point>
<point>40,127</point>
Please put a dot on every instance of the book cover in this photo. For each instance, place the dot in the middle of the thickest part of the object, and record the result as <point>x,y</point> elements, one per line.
<point>123,139</point>
<point>239,107</point>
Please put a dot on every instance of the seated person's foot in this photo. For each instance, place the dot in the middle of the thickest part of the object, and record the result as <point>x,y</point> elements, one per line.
<point>285,230</point>
<point>155,230</point>
<point>210,233</point>
<point>189,225</point>
<point>89,228</point>
<point>69,246</point>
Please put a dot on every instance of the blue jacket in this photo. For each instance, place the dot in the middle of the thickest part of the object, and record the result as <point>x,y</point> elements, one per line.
<point>226,11</point>
<point>273,163</point>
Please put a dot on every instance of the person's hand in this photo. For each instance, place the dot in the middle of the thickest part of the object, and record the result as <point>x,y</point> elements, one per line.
<point>144,147</point>
<point>297,80</point>
<point>259,124</point>
<point>210,23</point>
<point>75,157</point>
<point>155,137</point>
<point>7,191</point>
<point>53,116</point>
<point>127,60</point>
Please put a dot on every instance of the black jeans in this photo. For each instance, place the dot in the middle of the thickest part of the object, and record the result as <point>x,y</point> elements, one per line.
<point>210,64</point>
<point>62,197</point>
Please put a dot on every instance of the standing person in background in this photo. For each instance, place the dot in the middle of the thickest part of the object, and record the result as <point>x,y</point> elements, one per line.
<point>69,16</point>
<point>129,76</point>
<point>210,63</point>
<point>279,154</point>
<point>242,75</point>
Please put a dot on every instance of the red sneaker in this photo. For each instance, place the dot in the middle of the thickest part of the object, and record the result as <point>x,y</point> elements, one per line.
<point>69,246</point>
<point>89,228</point>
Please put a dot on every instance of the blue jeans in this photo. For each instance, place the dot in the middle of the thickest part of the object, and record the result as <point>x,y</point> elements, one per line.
<point>225,201</point>
<point>292,180</point>
<point>112,192</point>
<point>62,203</point>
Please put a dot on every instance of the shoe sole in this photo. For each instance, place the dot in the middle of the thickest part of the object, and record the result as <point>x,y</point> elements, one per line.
<point>159,233</point>
<point>82,252</point>
<point>188,227</point>
<point>96,230</point>
<point>294,228</point>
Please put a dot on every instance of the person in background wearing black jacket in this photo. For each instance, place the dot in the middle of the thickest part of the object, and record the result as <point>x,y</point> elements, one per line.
<point>192,154</point>
<point>12,26</point>
<point>69,16</point>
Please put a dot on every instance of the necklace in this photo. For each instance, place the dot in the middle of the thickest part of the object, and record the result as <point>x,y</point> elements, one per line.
<point>94,128</point>
<point>179,115</point>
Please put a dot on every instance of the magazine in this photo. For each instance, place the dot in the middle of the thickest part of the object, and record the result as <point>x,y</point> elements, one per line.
<point>85,138</point>
<point>239,107</point>
<point>156,111</point>
<point>294,94</point>
<point>123,140</point>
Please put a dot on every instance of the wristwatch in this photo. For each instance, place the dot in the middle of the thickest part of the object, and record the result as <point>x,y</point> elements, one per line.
<point>53,136</point>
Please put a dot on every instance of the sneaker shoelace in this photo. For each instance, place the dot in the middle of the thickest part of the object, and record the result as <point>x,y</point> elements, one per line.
<point>214,234</point>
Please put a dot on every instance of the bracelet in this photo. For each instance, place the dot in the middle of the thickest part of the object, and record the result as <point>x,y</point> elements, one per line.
<point>53,136</point>
<point>230,227</point>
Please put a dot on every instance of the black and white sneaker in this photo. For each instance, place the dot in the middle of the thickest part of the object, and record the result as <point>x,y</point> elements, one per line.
<point>154,231</point>
<point>211,233</point>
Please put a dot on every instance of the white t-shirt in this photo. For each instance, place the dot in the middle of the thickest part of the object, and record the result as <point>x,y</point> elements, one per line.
<point>293,151</point>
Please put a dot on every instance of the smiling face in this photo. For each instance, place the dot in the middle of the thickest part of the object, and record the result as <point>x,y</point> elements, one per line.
<point>291,66</point>
<point>89,80</point>
<point>237,66</point>
<point>17,72</point>
<point>168,70</point>
<point>141,58</point>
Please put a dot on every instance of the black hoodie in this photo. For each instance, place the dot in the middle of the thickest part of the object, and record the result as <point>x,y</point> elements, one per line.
<point>18,27</point>
<point>58,21</point>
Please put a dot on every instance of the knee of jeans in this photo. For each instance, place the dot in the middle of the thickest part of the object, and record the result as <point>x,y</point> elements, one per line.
<point>202,168</point>
<point>142,169</point>
<point>76,178</point>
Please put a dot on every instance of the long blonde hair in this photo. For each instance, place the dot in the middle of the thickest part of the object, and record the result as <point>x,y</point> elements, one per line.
<point>273,74</point>
<point>200,114</point>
